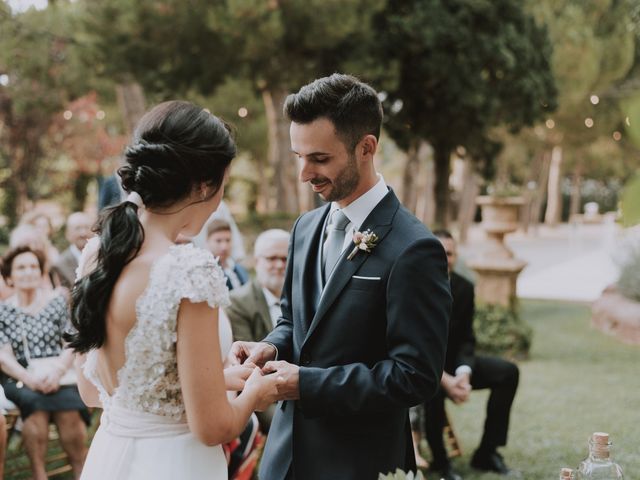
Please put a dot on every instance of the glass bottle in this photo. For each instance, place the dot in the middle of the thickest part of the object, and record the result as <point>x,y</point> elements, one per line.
<point>598,465</point>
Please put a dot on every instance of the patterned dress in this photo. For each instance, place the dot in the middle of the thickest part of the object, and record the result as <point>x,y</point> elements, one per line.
<point>43,334</point>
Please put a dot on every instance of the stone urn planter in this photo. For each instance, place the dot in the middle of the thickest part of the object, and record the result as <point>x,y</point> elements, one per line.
<point>496,267</point>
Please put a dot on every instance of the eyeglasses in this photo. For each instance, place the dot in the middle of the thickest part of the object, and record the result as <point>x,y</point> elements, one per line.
<point>275,258</point>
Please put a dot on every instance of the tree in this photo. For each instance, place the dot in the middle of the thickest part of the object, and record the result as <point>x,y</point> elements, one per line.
<point>41,68</point>
<point>463,67</point>
<point>80,135</point>
<point>594,45</point>
<point>280,46</point>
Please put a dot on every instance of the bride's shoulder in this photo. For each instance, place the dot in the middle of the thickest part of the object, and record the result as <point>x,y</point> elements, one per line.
<point>187,257</point>
<point>196,275</point>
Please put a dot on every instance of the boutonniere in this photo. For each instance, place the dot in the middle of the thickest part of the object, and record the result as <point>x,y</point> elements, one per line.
<point>365,241</point>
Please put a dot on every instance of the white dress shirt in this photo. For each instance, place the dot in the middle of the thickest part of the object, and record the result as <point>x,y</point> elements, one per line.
<point>273,303</point>
<point>358,210</point>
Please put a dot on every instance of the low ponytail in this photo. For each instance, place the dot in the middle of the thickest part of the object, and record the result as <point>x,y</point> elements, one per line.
<point>121,236</point>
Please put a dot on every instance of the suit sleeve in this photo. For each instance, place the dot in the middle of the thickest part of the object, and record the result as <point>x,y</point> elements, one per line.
<point>282,334</point>
<point>464,302</point>
<point>418,309</point>
<point>240,318</point>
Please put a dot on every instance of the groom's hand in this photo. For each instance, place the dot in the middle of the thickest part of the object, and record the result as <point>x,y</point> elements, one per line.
<point>257,353</point>
<point>287,376</point>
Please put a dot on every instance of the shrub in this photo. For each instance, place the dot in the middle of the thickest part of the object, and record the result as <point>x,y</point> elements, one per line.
<point>629,262</point>
<point>500,331</point>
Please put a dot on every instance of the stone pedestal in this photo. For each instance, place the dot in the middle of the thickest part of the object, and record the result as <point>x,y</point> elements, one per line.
<point>496,268</point>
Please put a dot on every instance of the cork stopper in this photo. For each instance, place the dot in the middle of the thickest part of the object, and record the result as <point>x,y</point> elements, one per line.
<point>600,438</point>
<point>565,473</point>
<point>600,445</point>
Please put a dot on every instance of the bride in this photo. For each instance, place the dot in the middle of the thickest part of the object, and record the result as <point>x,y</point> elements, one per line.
<point>146,311</point>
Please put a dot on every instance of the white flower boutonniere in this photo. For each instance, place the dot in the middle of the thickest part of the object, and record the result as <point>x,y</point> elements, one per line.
<point>365,241</point>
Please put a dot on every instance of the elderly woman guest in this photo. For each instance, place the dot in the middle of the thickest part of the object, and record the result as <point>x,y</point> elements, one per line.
<point>32,321</point>
<point>29,235</point>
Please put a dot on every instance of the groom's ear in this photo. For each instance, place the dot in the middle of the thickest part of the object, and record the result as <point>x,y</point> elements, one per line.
<point>368,146</point>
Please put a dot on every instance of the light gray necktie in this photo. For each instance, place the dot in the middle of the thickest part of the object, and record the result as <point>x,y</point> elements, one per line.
<point>334,242</point>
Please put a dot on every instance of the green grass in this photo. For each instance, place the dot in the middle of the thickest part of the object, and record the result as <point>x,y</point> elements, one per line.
<point>577,381</point>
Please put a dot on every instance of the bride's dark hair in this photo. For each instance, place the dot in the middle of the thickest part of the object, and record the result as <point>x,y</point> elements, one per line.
<point>177,146</point>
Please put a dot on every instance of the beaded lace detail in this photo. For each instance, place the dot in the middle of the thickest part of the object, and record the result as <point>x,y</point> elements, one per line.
<point>148,380</point>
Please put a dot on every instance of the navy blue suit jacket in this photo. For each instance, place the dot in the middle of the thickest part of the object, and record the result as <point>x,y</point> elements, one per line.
<point>369,345</point>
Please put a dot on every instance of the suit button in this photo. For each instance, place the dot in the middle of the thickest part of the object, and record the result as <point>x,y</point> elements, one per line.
<point>305,359</point>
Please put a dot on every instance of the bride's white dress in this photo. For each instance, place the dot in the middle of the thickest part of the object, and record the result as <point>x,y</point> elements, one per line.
<point>143,431</point>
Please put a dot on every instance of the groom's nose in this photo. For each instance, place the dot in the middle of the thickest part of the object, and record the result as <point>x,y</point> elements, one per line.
<point>306,171</point>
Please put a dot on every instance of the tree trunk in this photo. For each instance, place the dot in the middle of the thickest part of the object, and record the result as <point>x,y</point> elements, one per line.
<point>442,158</point>
<point>541,189</point>
<point>410,177</point>
<point>554,196</point>
<point>428,203</point>
<point>131,101</point>
<point>467,209</point>
<point>280,156</point>
<point>576,187</point>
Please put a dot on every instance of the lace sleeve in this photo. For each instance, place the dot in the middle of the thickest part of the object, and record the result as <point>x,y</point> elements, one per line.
<point>201,279</point>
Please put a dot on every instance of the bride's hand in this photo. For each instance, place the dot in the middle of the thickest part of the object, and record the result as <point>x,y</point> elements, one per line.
<point>236,375</point>
<point>264,387</point>
<point>257,353</point>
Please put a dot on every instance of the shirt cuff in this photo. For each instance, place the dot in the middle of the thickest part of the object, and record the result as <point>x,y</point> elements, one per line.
<point>269,343</point>
<point>462,369</point>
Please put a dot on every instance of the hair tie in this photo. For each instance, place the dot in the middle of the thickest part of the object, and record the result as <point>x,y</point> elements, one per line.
<point>136,199</point>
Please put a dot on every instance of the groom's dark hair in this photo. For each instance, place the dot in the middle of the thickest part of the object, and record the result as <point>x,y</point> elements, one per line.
<point>352,106</point>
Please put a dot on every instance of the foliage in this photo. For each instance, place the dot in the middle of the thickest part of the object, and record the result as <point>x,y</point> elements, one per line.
<point>631,202</point>
<point>463,68</point>
<point>43,72</point>
<point>503,189</point>
<point>166,45</point>
<point>500,331</point>
<point>629,262</point>
<point>594,44</point>
<point>400,475</point>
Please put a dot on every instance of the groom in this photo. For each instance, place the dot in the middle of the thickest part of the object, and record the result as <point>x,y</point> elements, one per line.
<point>363,332</point>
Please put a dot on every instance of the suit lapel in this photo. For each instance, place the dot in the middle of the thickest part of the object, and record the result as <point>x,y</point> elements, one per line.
<point>312,274</point>
<point>379,222</point>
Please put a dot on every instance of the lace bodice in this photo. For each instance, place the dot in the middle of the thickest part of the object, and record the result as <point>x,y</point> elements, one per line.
<point>148,380</point>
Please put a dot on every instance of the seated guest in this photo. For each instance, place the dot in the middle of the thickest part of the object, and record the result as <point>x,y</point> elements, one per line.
<point>223,213</point>
<point>220,243</point>
<point>28,235</point>
<point>32,321</point>
<point>464,371</point>
<point>255,307</point>
<point>78,231</point>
